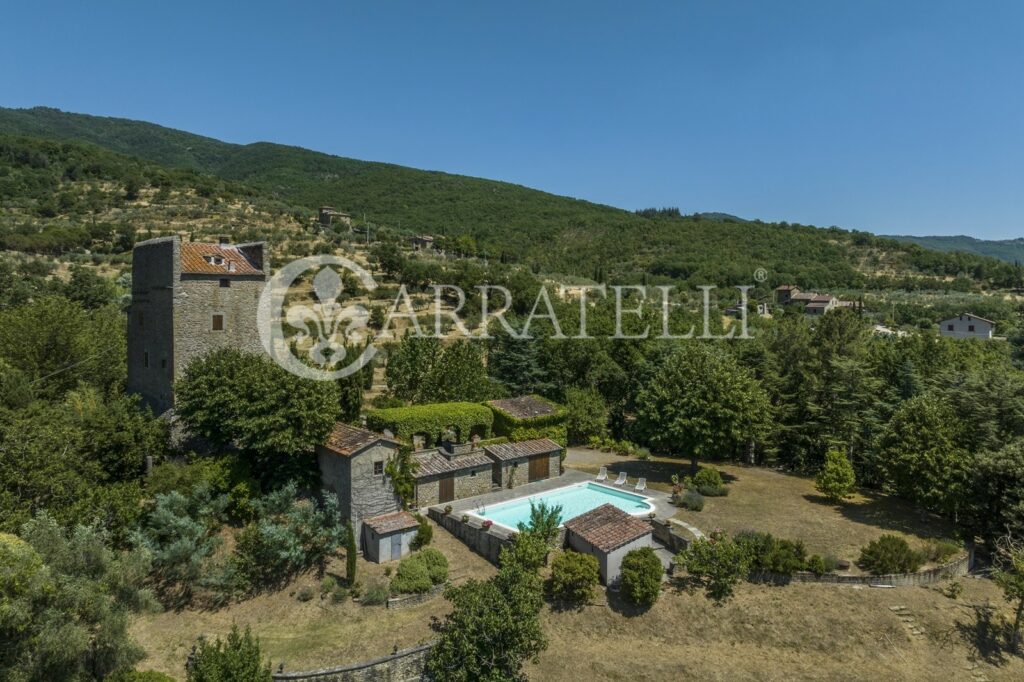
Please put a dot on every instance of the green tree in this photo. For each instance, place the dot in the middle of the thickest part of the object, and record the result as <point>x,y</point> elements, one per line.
<point>351,554</point>
<point>701,402</point>
<point>716,562</point>
<point>574,577</point>
<point>998,485</point>
<point>836,480</point>
<point>232,397</point>
<point>236,659</point>
<point>586,414</point>
<point>545,521</point>
<point>921,452</point>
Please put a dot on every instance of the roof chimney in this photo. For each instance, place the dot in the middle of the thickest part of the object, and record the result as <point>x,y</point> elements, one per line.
<point>222,240</point>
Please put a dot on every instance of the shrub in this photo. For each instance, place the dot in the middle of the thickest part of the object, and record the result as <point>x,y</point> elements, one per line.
<point>377,593</point>
<point>138,676</point>
<point>643,454</point>
<point>574,577</point>
<point>718,562</point>
<point>305,593</point>
<point>836,480</point>
<point>937,551</point>
<point>692,500</point>
<point>412,577</point>
<point>339,594</point>
<point>328,585</point>
<point>433,420</point>
<point>764,552</point>
<point>954,589</point>
<point>708,477</point>
<point>641,574</point>
<point>436,564</point>
<point>237,658</point>
<point>713,491</point>
<point>889,554</point>
<point>816,565</point>
<point>424,533</point>
<point>831,563</point>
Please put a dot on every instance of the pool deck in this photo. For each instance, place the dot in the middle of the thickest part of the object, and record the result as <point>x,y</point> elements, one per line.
<point>662,507</point>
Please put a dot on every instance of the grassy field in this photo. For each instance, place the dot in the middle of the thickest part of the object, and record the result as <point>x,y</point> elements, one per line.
<point>785,505</point>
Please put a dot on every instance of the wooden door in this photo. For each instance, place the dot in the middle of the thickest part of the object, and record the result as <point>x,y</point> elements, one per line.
<point>538,468</point>
<point>446,492</point>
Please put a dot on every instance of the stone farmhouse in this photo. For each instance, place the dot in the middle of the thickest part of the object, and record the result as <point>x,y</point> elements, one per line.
<point>813,303</point>
<point>353,465</point>
<point>189,298</point>
<point>967,326</point>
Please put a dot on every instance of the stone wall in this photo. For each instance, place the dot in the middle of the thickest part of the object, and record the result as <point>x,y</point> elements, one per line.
<point>361,493</point>
<point>155,270</point>
<point>402,666</point>
<point>487,542</point>
<point>664,533</point>
<point>954,569</point>
<point>427,492</point>
<point>407,600</point>
<point>467,485</point>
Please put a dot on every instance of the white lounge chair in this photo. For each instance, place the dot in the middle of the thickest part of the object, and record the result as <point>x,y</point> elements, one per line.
<point>641,485</point>
<point>621,479</point>
<point>602,475</point>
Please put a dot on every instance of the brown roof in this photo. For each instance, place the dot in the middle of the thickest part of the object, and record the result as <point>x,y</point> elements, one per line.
<point>607,527</point>
<point>803,296</point>
<point>524,407</point>
<point>348,440</point>
<point>524,448</point>
<point>391,523</point>
<point>194,261</point>
<point>433,463</point>
<point>787,287</point>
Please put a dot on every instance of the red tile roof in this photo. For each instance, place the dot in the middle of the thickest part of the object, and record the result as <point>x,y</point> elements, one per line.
<point>391,523</point>
<point>607,527</point>
<point>524,448</point>
<point>524,407</point>
<point>348,440</point>
<point>195,255</point>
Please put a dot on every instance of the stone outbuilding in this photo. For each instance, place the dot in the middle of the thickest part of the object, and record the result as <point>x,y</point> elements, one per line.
<point>353,465</point>
<point>452,472</point>
<point>608,534</point>
<point>388,537</point>
<point>525,461</point>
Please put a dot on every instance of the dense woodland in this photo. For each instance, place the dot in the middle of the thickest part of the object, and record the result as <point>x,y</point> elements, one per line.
<point>86,472</point>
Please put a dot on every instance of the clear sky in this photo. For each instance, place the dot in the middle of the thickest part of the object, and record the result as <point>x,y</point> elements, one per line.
<point>893,117</point>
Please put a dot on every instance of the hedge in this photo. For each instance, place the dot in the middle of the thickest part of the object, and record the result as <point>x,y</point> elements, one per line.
<point>545,426</point>
<point>468,419</point>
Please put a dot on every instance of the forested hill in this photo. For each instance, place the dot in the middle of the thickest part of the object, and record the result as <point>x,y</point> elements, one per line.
<point>1009,250</point>
<point>496,220</point>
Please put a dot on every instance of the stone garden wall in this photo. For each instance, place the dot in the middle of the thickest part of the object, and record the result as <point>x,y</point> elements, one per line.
<point>954,569</point>
<point>402,666</point>
<point>487,542</point>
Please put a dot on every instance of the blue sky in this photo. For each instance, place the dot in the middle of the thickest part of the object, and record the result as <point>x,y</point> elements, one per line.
<point>893,117</point>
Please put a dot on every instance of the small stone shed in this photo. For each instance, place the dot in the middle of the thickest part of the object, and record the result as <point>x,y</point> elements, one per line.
<point>353,465</point>
<point>388,537</point>
<point>525,462</point>
<point>528,417</point>
<point>451,473</point>
<point>608,533</point>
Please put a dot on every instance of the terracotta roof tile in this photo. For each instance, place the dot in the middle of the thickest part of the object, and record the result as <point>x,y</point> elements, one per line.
<point>196,257</point>
<point>524,448</point>
<point>607,527</point>
<point>393,522</point>
<point>347,440</point>
<point>524,407</point>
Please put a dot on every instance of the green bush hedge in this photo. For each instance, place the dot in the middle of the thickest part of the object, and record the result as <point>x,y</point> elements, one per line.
<point>889,554</point>
<point>421,571</point>
<point>641,576</point>
<point>574,577</point>
<point>468,419</point>
<point>545,426</point>
<point>775,555</point>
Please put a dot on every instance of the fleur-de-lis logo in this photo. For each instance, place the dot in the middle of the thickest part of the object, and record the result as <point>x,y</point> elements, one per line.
<point>325,330</point>
<point>328,324</point>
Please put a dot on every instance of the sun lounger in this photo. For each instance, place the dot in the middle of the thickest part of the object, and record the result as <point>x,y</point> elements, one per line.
<point>621,479</point>
<point>602,475</point>
<point>641,485</point>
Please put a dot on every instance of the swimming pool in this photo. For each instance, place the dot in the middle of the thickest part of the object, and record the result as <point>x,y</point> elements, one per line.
<point>575,500</point>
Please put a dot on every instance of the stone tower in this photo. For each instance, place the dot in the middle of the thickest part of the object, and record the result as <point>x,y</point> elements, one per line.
<point>189,298</point>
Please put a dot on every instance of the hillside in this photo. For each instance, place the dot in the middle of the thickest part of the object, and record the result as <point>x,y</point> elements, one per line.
<point>1009,250</point>
<point>474,216</point>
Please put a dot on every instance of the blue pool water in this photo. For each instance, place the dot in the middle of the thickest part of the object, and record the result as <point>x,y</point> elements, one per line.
<point>575,500</point>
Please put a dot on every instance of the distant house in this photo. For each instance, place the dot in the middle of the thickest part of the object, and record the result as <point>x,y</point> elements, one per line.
<point>814,304</point>
<point>422,241</point>
<point>608,533</point>
<point>967,326</point>
<point>388,537</point>
<point>327,215</point>
<point>352,466</point>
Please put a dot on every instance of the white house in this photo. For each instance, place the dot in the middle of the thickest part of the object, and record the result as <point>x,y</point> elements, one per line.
<point>967,326</point>
<point>608,533</point>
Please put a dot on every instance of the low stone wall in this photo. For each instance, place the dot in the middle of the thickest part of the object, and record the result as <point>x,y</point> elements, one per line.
<point>487,542</point>
<point>407,600</point>
<point>666,534</point>
<point>402,666</point>
<point>954,569</point>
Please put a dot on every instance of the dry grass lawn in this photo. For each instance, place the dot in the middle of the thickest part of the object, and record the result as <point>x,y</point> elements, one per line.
<point>783,504</point>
